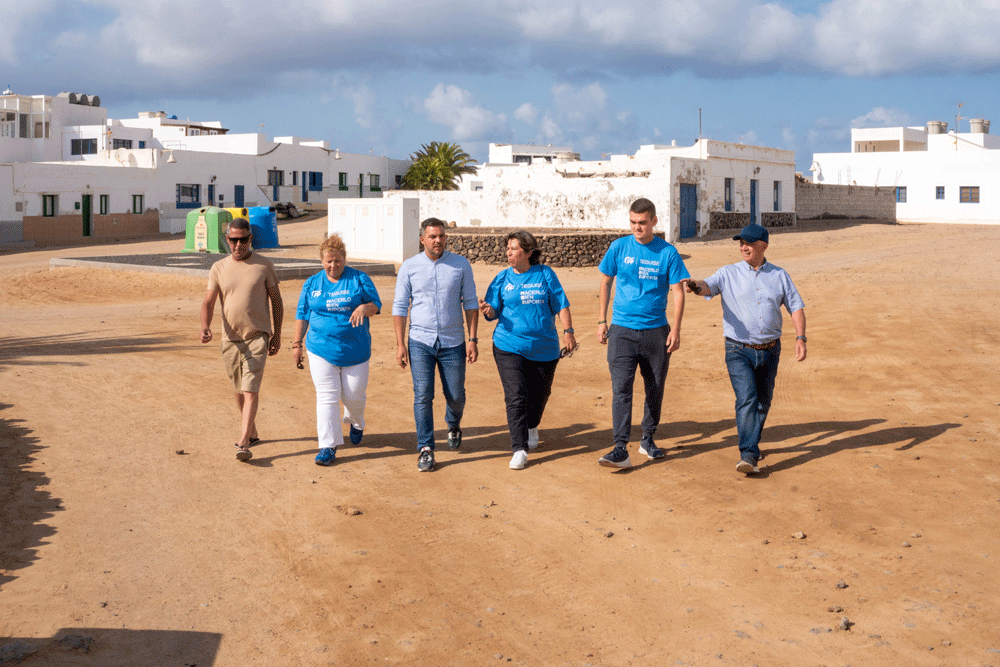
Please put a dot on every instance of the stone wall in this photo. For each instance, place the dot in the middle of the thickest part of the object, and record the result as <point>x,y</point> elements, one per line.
<point>68,229</point>
<point>815,201</point>
<point>582,248</point>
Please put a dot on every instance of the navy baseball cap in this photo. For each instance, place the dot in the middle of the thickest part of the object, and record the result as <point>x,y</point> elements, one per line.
<point>752,233</point>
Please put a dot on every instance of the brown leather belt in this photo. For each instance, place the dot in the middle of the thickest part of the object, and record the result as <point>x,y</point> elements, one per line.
<point>755,346</point>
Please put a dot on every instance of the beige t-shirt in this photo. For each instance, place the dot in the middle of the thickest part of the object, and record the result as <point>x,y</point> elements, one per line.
<point>246,311</point>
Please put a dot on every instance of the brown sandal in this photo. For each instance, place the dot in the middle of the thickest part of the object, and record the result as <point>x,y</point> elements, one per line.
<point>243,453</point>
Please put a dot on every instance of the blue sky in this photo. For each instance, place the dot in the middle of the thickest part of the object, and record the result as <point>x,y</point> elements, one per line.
<point>601,76</point>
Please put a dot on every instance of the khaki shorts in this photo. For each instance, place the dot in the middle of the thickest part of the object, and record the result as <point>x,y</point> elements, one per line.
<point>244,362</point>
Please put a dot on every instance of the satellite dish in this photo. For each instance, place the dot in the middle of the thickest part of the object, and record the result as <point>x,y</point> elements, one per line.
<point>121,154</point>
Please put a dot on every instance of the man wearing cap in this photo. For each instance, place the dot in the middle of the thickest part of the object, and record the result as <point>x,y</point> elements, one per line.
<point>753,291</point>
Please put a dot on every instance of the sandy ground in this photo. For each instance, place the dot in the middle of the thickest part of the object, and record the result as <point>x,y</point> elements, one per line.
<point>881,450</point>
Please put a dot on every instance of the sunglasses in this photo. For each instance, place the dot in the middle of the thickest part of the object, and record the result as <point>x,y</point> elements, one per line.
<point>235,240</point>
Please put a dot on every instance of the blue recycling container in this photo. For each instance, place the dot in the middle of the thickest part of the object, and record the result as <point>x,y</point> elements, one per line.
<point>264,224</point>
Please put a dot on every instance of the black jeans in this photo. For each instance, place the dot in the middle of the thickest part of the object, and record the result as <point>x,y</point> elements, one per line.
<point>527,385</point>
<point>647,350</point>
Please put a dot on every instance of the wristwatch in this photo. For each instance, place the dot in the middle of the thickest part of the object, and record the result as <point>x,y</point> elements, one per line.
<point>801,338</point>
<point>474,340</point>
<point>570,330</point>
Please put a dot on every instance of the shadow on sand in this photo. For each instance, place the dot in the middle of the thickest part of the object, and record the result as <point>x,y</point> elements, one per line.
<point>24,505</point>
<point>106,646</point>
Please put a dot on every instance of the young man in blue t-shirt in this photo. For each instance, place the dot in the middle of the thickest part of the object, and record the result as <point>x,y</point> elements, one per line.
<point>647,269</point>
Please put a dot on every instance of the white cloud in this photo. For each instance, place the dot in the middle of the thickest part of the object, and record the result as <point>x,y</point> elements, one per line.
<point>365,113</point>
<point>882,117</point>
<point>526,113</point>
<point>455,107</point>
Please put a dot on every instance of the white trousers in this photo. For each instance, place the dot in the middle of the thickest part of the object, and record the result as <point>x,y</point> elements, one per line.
<point>336,384</point>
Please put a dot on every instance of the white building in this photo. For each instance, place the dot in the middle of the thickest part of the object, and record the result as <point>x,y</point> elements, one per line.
<point>67,171</point>
<point>936,175</point>
<point>710,185</point>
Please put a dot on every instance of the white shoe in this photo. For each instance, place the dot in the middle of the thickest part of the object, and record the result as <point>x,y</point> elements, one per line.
<point>532,438</point>
<point>518,461</point>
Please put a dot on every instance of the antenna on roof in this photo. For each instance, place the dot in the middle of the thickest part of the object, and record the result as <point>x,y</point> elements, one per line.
<point>958,118</point>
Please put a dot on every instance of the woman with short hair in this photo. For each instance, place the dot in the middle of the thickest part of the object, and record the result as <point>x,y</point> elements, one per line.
<point>334,308</point>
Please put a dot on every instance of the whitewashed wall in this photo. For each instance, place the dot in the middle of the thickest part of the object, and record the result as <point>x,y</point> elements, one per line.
<point>921,172</point>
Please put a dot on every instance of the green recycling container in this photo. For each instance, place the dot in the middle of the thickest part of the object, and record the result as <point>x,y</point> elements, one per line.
<point>206,230</point>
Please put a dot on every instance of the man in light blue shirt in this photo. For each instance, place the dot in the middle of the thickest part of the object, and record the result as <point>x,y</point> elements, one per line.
<point>646,268</point>
<point>753,291</point>
<point>436,289</point>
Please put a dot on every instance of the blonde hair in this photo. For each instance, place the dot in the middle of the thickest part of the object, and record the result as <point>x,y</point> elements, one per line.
<point>334,244</point>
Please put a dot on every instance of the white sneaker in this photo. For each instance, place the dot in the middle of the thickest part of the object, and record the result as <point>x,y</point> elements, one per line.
<point>519,459</point>
<point>532,438</point>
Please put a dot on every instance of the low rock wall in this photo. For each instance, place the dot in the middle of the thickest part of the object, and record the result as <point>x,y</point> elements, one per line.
<point>582,248</point>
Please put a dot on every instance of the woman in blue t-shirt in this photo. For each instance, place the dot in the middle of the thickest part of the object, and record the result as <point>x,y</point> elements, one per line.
<point>525,299</point>
<point>334,307</point>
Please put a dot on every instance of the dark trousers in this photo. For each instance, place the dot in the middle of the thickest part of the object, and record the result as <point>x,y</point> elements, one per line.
<point>628,349</point>
<point>527,385</point>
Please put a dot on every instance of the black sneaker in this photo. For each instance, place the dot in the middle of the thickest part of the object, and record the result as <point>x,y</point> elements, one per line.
<point>454,438</point>
<point>649,448</point>
<point>747,466</point>
<point>616,458</point>
<point>425,460</point>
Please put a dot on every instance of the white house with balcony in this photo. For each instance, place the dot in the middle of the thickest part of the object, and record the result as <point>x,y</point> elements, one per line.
<point>67,171</point>
<point>935,175</point>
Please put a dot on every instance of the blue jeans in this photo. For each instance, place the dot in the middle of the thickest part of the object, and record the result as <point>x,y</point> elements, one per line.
<point>752,374</point>
<point>450,362</point>
<point>628,349</point>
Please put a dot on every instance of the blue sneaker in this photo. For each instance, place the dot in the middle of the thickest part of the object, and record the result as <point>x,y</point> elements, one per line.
<point>356,435</point>
<point>616,458</point>
<point>326,456</point>
<point>649,448</point>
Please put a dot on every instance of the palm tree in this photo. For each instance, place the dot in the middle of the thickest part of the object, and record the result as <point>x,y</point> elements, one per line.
<point>438,166</point>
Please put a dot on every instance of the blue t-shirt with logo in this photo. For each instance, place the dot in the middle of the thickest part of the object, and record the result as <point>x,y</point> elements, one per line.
<point>526,305</point>
<point>643,276</point>
<point>327,306</point>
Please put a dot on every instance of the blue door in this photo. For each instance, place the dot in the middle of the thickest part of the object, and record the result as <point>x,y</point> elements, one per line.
<point>211,194</point>
<point>753,201</point>
<point>275,197</point>
<point>238,196</point>
<point>689,210</point>
<point>305,186</point>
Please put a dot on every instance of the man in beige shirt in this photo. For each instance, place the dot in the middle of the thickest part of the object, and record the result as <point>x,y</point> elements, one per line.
<point>244,282</point>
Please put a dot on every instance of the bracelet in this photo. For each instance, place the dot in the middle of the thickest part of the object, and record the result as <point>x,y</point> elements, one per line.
<point>602,321</point>
<point>474,340</point>
<point>570,330</point>
<point>296,345</point>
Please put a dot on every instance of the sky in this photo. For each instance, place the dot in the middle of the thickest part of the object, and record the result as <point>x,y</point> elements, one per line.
<point>600,76</point>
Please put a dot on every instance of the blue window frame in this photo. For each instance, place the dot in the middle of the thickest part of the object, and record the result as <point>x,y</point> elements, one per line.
<point>939,192</point>
<point>901,195</point>
<point>83,147</point>
<point>142,144</point>
<point>188,195</point>
<point>729,194</point>
<point>315,181</point>
<point>968,194</point>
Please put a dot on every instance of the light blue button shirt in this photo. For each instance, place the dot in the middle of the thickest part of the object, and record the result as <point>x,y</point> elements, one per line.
<point>436,295</point>
<point>752,300</point>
